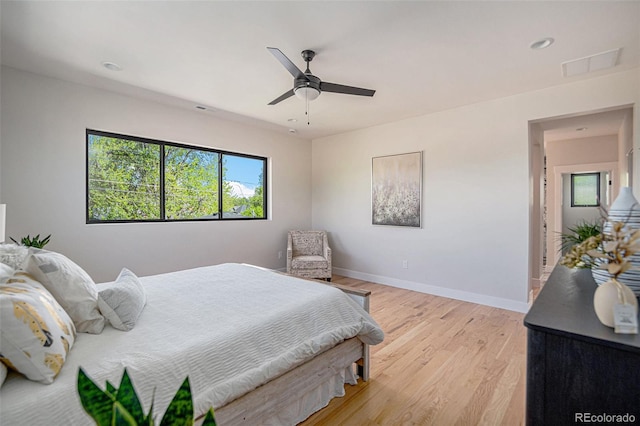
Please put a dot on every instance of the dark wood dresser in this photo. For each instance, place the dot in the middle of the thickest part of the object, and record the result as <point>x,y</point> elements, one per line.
<point>577,368</point>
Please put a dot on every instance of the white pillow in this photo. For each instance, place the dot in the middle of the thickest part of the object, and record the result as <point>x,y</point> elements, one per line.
<point>36,334</point>
<point>13,255</point>
<point>72,287</point>
<point>6,272</point>
<point>122,301</point>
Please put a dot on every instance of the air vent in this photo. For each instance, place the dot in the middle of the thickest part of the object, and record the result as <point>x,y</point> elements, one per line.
<point>597,62</point>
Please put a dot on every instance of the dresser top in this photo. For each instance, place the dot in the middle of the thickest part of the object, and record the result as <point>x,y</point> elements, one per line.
<point>565,307</point>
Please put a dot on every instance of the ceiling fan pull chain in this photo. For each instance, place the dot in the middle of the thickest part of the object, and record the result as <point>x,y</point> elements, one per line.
<point>307,111</point>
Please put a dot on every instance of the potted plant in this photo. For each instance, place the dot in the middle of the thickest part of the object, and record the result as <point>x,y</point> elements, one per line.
<point>121,406</point>
<point>579,233</point>
<point>33,242</point>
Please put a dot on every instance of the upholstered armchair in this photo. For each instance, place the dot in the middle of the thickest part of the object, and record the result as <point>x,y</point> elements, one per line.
<point>309,254</point>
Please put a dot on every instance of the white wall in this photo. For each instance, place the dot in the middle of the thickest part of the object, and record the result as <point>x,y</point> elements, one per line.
<point>474,244</point>
<point>42,179</point>
<point>537,230</point>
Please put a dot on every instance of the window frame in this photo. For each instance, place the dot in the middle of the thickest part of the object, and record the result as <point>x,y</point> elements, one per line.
<point>598,184</point>
<point>162,144</point>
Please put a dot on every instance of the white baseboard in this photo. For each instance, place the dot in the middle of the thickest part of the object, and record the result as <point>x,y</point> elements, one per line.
<point>496,302</point>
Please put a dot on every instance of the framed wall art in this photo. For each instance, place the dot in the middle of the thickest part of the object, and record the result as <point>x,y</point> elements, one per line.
<point>396,190</point>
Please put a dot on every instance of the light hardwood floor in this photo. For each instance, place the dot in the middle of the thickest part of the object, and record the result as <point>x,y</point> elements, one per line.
<point>443,362</point>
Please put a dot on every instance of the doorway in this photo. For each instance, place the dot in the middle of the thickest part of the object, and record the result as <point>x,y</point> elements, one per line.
<point>596,141</point>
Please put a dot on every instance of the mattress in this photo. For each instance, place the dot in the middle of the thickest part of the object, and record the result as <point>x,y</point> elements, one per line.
<point>229,327</point>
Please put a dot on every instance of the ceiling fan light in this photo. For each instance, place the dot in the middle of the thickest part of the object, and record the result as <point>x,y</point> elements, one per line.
<point>306,93</point>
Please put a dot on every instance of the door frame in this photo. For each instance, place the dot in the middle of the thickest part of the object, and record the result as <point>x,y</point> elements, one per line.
<point>553,256</point>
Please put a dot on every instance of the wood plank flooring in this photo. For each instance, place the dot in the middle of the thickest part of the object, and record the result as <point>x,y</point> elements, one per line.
<point>443,362</point>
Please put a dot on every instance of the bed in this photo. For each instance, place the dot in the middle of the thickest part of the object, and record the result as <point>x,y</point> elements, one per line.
<point>258,346</point>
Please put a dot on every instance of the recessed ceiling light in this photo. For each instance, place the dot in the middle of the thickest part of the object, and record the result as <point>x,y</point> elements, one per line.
<point>111,66</point>
<point>201,107</point>
<point>581,129</point>
<point>542,43</point>
<point>292,131</point>
<point>292,120</point>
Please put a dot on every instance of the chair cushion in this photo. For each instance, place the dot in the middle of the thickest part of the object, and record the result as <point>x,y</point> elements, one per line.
<point>307,243</point>
<point>309,262</point>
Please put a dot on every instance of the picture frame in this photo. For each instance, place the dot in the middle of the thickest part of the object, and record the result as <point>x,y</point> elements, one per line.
<point>396,190</point>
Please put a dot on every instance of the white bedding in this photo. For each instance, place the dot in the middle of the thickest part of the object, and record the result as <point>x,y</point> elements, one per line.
<point>229,327</point>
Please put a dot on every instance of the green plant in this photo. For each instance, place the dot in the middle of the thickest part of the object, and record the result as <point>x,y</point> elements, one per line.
<point>33,242</point>
<point>579,233</point>
<point>121,406</point>
<point>613,249</point>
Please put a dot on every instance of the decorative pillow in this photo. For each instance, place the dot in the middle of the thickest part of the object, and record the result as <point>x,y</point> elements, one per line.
<point>36,334</point>
<point>122,301</point>
<point>13,255</point>
<point>72,287</point>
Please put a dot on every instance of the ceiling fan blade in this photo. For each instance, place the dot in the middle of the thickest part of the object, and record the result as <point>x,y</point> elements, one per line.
<point>290,66</point>
<point>348,90</point>
<point>282,97</point>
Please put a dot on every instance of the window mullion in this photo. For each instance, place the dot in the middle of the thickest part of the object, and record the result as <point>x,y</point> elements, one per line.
<point>163,214</point>
<point>220,177</point>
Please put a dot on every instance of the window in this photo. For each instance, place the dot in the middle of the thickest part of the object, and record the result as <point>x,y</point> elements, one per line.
<point>585,190</point>
<point>131,179</point>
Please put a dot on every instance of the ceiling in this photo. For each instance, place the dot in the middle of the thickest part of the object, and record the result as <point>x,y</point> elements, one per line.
<point>605,123</point>
<point>420,57</point>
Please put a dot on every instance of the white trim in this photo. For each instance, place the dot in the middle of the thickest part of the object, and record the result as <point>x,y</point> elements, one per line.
<point>530,302</point>
<point>496,302</point>
<point>558,171</point>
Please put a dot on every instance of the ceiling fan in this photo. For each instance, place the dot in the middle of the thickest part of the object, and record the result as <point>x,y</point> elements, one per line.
<point>306,85</point>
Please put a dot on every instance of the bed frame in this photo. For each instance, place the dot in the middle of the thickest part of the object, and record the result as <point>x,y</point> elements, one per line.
<point>279,394</point>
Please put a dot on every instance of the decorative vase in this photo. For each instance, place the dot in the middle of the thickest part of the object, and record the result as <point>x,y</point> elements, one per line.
<point>607,296</point>
<point>626,209</point>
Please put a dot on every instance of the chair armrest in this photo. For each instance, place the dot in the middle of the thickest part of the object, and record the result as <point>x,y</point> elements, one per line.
<point>327,250</point>
<point>289,253</point>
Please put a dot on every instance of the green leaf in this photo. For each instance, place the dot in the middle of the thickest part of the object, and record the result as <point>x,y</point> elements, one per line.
<point>122,417</point>
<point>111,390</point>
<point>148,420</point>
<point>95,402</point>
<point>129,399</point>
<point>180,411</point>
<point>209,419</point>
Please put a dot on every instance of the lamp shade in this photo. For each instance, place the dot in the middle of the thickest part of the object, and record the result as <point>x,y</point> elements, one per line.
<point>3,215</point>
<point>306,92</point>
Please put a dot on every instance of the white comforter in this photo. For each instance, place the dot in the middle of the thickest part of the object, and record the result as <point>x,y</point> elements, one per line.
<point>229,327</point>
